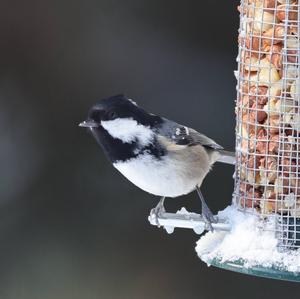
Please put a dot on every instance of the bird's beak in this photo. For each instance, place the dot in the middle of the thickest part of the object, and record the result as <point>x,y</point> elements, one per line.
<point>89,124</point>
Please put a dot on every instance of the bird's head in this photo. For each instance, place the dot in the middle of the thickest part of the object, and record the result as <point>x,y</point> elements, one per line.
<point>112,108</point>
<point>122,119</point>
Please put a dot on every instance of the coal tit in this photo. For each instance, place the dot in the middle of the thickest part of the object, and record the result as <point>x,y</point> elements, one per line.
<point>158,155</point>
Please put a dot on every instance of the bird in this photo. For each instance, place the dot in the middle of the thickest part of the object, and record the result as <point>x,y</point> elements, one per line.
<point>156,154</point>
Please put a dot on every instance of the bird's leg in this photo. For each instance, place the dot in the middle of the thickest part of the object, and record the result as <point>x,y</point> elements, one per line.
<point>207,214</point>
<point>158,210</point>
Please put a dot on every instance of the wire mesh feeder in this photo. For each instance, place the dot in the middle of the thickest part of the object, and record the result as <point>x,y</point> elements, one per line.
<point>268,118</point>
<point>264,220</point>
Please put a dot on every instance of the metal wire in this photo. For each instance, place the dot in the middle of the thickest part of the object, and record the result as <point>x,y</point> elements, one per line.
<point>267,177</point>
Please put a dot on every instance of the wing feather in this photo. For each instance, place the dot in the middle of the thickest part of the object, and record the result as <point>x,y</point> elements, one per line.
<point>185,136</point>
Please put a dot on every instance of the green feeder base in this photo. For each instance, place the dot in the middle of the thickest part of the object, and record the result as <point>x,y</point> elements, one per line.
<point>267,272</point>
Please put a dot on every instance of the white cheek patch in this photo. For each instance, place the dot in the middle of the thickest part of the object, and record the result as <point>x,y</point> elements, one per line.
<point>128,130</point>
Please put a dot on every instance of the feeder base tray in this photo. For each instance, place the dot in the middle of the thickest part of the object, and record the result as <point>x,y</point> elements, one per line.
<point>266,272</point>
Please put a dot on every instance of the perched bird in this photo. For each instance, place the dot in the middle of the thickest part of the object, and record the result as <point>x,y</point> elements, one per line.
<point>158,155</point>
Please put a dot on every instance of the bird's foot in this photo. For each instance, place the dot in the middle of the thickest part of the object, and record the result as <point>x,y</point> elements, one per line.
<point>208,217</point>
<point>158,210</point>
<point>207,214</point>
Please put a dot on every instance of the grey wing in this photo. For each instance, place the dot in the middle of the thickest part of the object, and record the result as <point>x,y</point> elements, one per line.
<point>182,135</point>
<point>199,138</point>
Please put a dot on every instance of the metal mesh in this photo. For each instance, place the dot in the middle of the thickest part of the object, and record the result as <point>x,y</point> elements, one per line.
<point>267,177</point>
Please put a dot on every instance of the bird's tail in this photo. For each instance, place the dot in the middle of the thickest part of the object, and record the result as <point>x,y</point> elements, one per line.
<point>227,157</point>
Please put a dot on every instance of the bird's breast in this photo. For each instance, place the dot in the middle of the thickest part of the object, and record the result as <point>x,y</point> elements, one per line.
<point>172,175</point>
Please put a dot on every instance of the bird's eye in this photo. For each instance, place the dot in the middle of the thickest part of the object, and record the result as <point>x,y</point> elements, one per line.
<point>96,115</point>
<point>112,115</point>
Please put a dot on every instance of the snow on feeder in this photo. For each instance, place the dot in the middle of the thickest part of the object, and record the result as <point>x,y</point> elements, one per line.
<point>260,233</point>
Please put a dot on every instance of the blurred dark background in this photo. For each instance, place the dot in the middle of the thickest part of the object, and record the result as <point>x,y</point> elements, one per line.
<point>70,225</point>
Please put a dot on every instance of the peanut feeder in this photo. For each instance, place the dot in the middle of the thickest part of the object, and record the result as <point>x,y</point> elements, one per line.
<point>268,116</point>
<point>259,233</point>
<point>267,175</point>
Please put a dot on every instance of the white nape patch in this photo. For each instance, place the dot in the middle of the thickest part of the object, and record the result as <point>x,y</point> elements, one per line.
<point>128,130</point>
<point>133,102</point>
<point>246,242</point>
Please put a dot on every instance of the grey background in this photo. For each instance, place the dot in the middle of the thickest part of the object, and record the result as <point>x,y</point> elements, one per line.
<point>70,225</point>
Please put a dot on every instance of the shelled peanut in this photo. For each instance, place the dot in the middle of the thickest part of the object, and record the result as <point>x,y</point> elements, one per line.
<point>268,111</point>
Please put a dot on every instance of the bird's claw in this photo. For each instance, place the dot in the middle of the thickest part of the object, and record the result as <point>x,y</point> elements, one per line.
<point>208,220</point>
<point>158,211</point>
<point>155,214</point>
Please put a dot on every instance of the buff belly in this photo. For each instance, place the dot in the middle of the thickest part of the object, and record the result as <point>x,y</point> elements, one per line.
<point>171,176</point>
